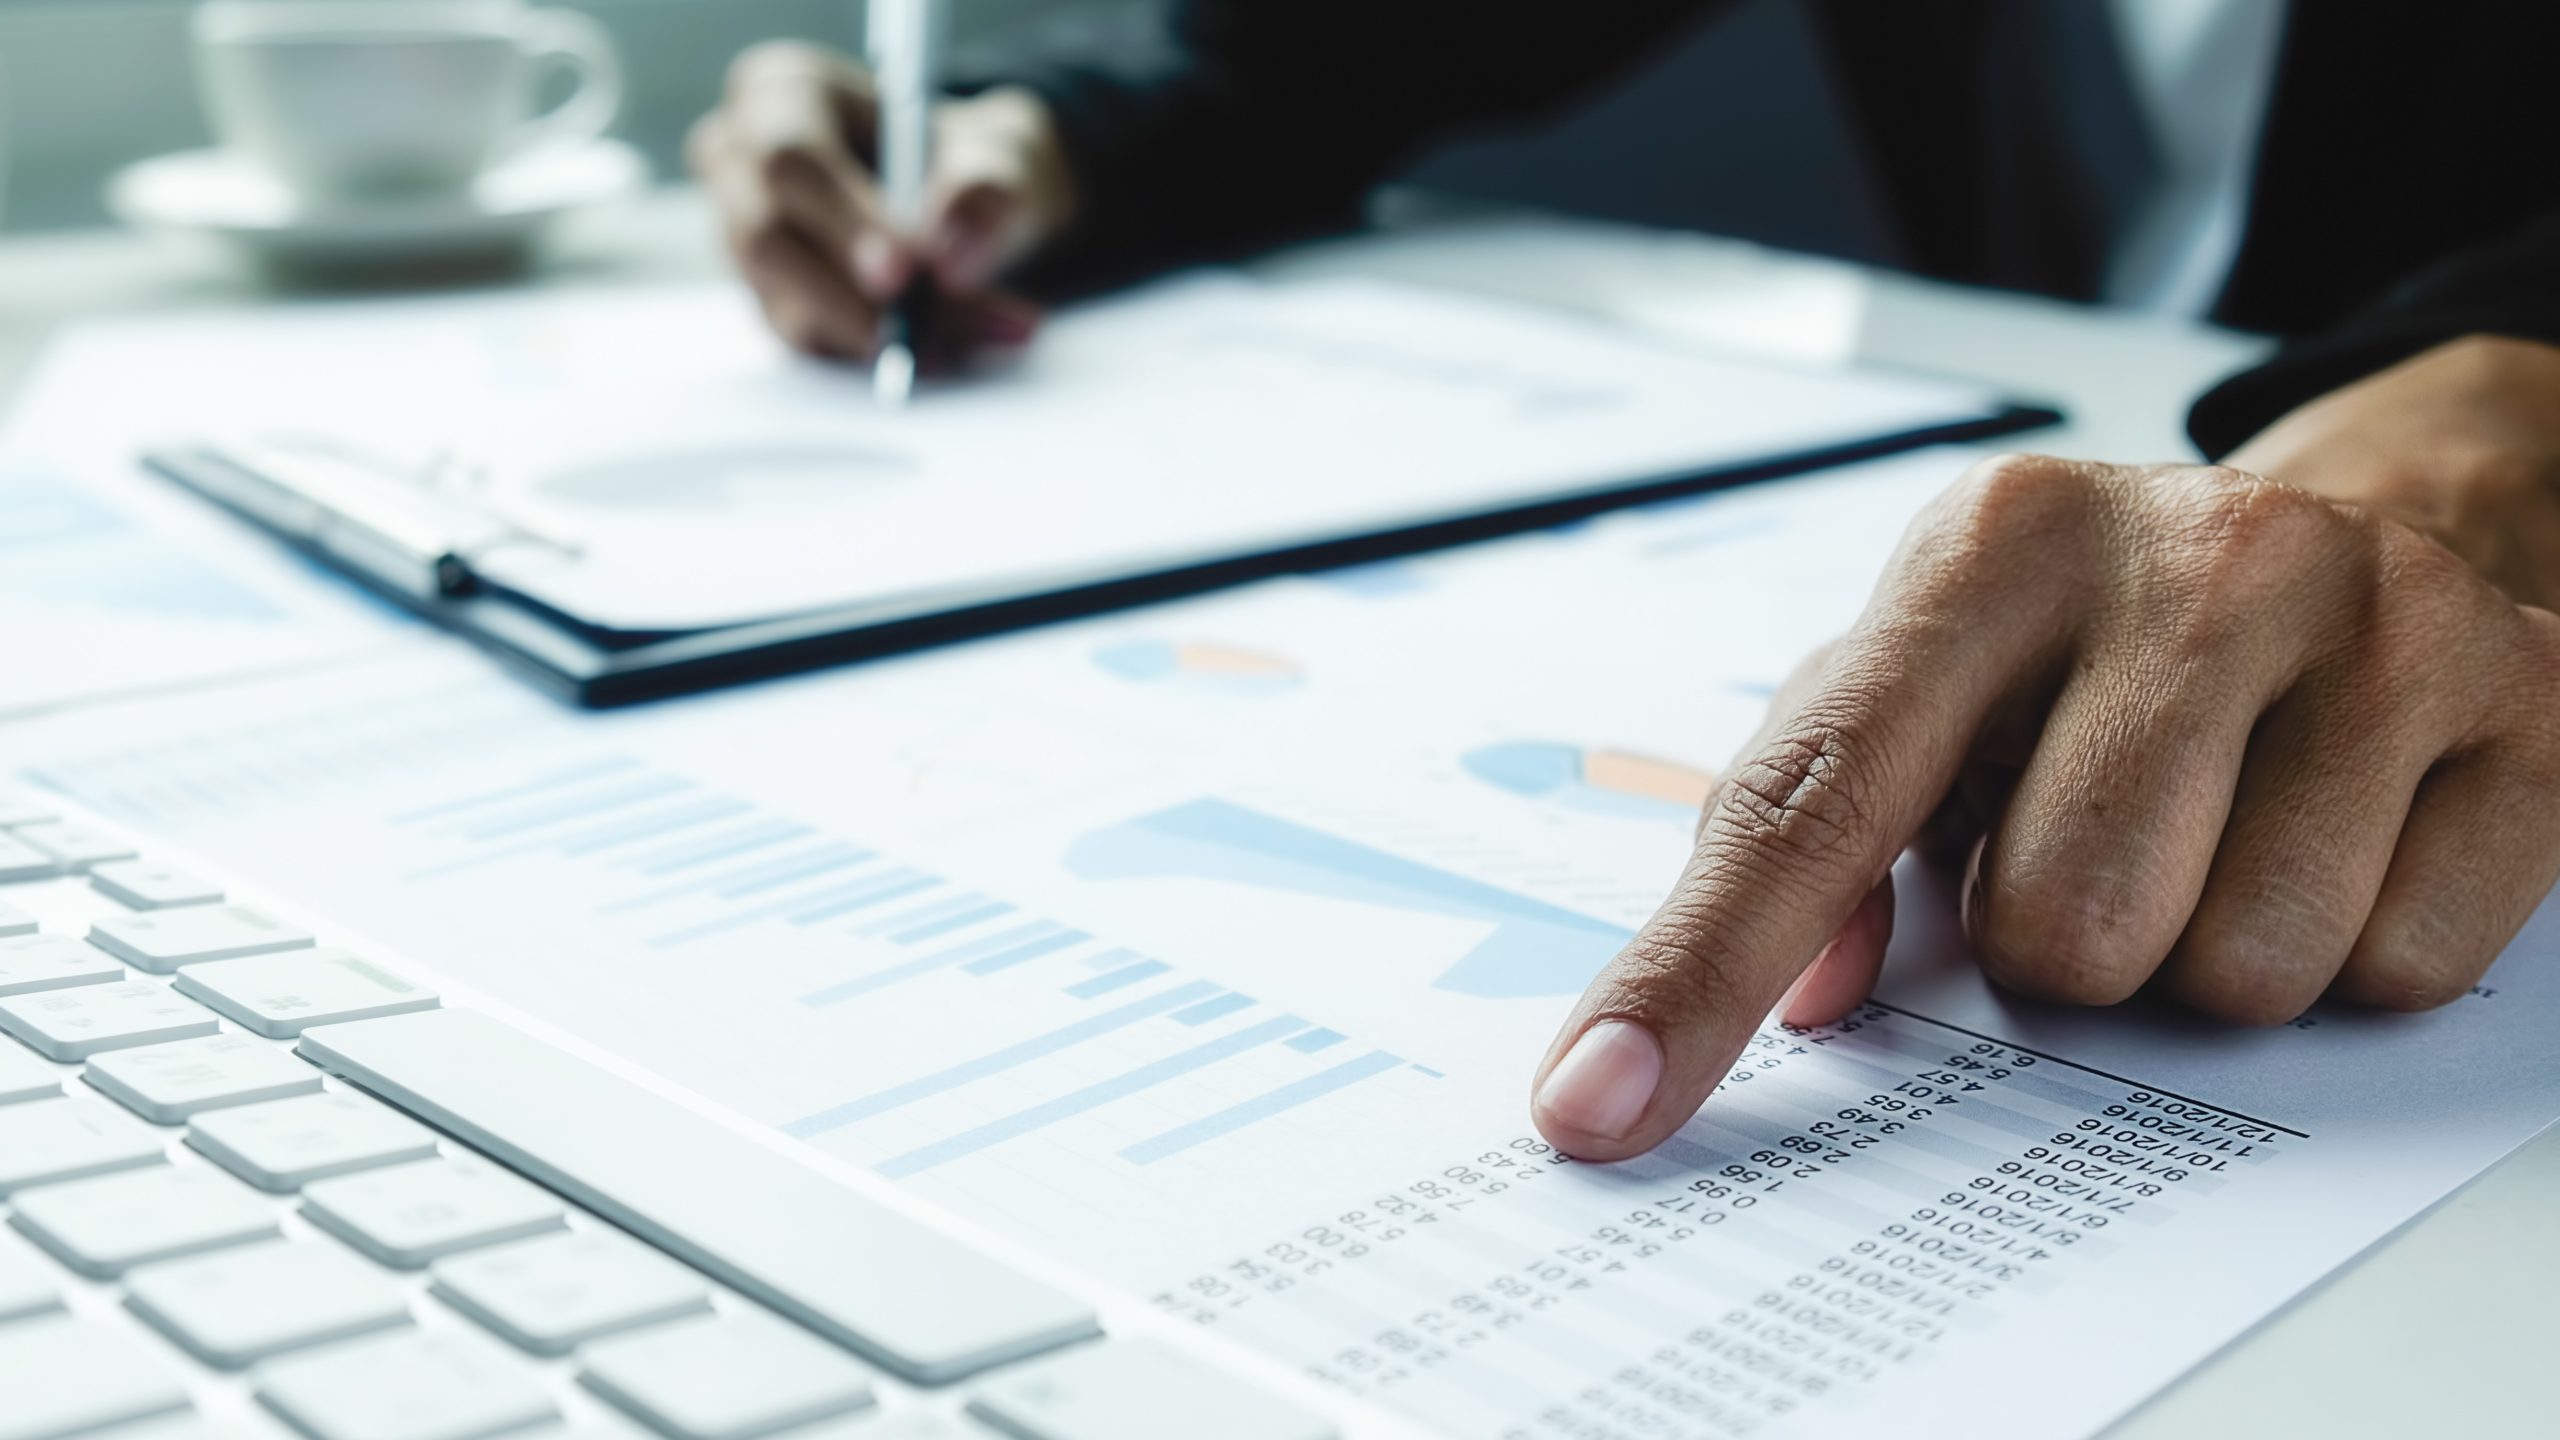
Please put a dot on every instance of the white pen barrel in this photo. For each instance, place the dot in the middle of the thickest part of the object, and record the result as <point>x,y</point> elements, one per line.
<point>904,38</point>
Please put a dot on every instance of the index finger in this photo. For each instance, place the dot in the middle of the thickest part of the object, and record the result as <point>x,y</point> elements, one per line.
<point>1816,812</point>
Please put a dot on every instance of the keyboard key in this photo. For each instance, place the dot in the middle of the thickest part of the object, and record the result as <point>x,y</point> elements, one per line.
<point>24,1077</point>
<point>1138,1390</point>
<point>150,885</point>
<point>161,941</point>
<point>408,1215</point>
<point>14,921</point>
<point>724,1377</point>
<point>69,1377</point>
<point>46,1142</point>
<point>165,1084</point>
<point>86,1020</point>
<point>444,1385</point>
<point>22,861</point>
<point>286,1144</point>
<point>189,1426</point>
<point>29,963</point>
<point>74,846</point>
<point>236,1307</point>
<point>604,1424</point>
<point>106,1226</point>
<point>18,807</point>
<point>909,1425</point>
<point>26,1286</point>
<point>890,1287</point>
<point>279,995</point>
<point>553,1294</point>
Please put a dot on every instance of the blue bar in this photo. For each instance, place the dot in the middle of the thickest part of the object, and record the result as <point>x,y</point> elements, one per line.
<point>576,807</point>
<point>1260,1107</point>
<point>591,770</point>
<point>649,827</point>
<point>909,884</point>
<point>949,923</point>
<point>1091,1097</point>
<point>1315,1040</point>
<point>602,837</point>
<point>1125,975</point>
<point>1007,959</point>
<point>1104,960</point>
<point>999,1061</point>
<point>890,975</point>
<point>785,875</point>
<point>1208,1010</point>
<point>753,913</point>
<point>989,944</point>
<point>727,877</point>
<point>1434,1074</point>
<point>931,910</point>
<point>721,847</point>
<point>865,891</point>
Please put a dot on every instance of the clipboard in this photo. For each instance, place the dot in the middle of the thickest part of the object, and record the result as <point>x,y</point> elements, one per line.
<point>413,544</point>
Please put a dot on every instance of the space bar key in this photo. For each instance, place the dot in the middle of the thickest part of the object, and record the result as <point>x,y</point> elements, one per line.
<point>893,1289</point>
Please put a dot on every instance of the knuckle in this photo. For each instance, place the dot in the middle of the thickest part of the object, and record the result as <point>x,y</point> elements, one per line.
<point>2405,972</point>
<point>2073,943</point>
<point>2243,978</point>
<point>2428,605</point>
<point>767,60</point>
<point>2243,524</point>
<point>2009,498</point>
<point>1805,799</point>
<point>2012,523</point>
<point>2427,581</point>
<point>2238,552</point>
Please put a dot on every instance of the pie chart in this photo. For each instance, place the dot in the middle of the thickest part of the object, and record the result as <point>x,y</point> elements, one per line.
<point>1600,781</point>
<point>1200,665</point>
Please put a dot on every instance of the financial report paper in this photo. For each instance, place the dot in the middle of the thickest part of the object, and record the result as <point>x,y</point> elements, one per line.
<point>661,463</point>
<point>1209,947</point>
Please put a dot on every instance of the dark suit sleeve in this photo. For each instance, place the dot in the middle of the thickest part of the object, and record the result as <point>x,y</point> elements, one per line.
<point>2509,287</point>
<point>1237,124</point>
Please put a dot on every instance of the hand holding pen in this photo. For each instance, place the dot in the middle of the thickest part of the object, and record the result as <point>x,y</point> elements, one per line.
<point>789,159</point>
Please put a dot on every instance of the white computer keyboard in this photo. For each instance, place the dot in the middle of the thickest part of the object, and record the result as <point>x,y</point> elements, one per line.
<point>256,1185</point>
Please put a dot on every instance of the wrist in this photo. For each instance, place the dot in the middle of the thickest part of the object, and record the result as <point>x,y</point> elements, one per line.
<point>2460,443</point>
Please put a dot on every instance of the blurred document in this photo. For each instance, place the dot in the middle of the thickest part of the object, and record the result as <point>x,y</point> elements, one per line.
<point>109,586</point>
<point>1209,947</point>
<point>695,476</point>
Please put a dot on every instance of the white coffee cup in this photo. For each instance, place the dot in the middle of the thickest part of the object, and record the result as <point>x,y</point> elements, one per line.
<point>362,98</point>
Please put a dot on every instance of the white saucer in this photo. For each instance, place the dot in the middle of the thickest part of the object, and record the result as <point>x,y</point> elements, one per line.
<point>220,193</point>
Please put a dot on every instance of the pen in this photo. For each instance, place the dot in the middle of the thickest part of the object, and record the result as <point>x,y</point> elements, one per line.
<point>901,41</point>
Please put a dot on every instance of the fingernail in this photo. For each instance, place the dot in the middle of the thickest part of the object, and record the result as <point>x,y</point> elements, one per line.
<point>1603,1084</point>
<point>1787,1001</point>
<point>875,264</point>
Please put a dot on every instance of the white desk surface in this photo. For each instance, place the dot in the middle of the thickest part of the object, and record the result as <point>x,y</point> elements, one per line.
<point>2448,1325</point>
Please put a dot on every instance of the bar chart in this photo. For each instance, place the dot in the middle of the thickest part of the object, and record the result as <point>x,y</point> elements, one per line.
<point>678,868</point>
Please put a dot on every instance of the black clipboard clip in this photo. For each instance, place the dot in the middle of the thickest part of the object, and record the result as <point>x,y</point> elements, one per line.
<point>415,528</point>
